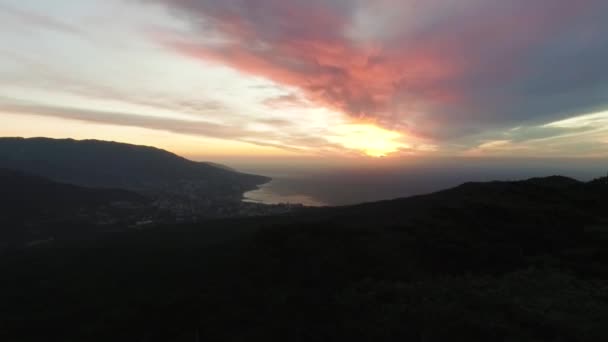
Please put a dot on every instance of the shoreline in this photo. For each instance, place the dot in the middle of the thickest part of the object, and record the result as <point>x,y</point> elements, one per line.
<point>265,195</point>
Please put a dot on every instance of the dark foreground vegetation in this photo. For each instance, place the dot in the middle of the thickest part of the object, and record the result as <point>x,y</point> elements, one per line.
<point>503,261</point>
<point>34,209</point>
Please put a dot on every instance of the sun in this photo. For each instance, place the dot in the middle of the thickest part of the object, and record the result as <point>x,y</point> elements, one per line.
<point>369,139</point>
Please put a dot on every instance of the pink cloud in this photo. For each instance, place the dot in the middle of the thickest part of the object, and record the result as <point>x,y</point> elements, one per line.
<point>440,74</point>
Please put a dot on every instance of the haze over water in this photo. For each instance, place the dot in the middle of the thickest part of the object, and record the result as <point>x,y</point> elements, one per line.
<point>343,185</point>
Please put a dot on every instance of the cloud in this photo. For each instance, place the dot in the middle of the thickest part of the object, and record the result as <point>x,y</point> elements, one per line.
<point>286,101</point>
<point>279,139</point>
<point>125,119</point>
<point>45,77</point>
<point>579,136</point>
<point>591,121</point>
<point>436,69</point>
<point>34,19</point>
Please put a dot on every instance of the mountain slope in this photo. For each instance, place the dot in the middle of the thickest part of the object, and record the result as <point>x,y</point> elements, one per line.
<point>515,199</point>
<point>500,261</point>
<point>116,165</point>
<point>36,208</point>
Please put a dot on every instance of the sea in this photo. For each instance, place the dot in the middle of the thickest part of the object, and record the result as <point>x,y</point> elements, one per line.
<point>352,184</point>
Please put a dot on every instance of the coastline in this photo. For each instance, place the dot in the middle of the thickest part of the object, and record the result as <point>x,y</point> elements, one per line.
<point>264,194</point>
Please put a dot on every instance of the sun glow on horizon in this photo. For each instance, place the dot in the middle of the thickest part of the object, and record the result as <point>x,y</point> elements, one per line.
<point>372,140</point>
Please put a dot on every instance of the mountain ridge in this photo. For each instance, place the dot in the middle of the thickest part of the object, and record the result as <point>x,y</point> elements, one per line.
<point>100,163</point>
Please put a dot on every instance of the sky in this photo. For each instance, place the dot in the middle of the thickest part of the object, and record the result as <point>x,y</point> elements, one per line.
<point>310,78</point>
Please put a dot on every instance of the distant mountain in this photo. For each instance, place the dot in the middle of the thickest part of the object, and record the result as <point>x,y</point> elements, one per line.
<point>220,166</point>
<point>528,195</point>
<point>115,165</point>
<point>498,261</point>
<point>35,208</point>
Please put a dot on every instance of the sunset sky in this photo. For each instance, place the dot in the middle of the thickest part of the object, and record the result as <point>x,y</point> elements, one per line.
<point>332,78</point>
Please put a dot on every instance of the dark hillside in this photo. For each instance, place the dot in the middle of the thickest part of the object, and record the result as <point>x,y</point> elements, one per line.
<point>33,208</point>
<point>115,165</point>
<point>500,261</point>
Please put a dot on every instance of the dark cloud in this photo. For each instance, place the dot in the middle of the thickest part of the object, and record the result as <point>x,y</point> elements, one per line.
<point>438,69</point>
<point>285,101</point>
<point>278,123</point>
<point>199,128</point>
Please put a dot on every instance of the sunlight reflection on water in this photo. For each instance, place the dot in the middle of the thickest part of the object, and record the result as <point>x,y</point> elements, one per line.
<point>265,195</point>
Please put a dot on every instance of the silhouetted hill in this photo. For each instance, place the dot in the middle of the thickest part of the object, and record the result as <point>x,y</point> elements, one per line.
<point>116,165</point>
<point>544,198</point>
<point>20,189</point>
<point>555,181</point>
<point>600,182</point>
<point>36,208</point>
<point>499,261</point>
